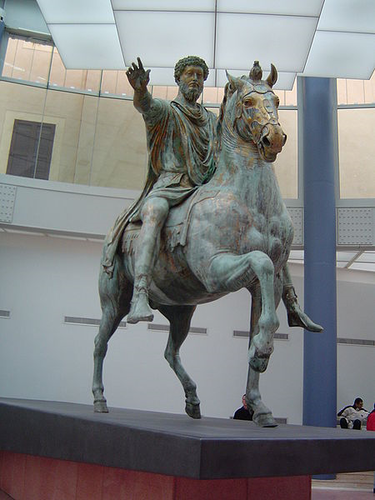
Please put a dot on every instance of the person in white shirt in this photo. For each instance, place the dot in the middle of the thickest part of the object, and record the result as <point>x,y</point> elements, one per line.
<point>353,416</point>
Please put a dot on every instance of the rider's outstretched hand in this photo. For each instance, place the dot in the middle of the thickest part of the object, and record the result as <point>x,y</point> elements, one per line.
<point>138,77</point>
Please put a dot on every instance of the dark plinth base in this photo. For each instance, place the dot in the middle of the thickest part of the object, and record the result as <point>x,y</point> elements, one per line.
<point>130,451</point>
<point>27,477</point>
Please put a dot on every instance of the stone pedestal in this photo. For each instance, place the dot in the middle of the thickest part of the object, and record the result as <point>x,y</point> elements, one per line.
<point>28,477</point>
<point>65,451</point>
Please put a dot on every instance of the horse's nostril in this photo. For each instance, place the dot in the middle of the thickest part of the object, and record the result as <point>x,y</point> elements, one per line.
<point>266,142</point>
<point>285,138</point>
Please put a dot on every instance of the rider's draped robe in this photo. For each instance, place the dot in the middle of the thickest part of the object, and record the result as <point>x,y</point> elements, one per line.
<point>181,156</point>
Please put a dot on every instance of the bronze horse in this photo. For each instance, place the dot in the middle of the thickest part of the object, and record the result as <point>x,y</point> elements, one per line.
<point>234,232</point>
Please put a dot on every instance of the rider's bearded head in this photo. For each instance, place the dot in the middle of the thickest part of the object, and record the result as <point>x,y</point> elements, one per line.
<point>190,94</point>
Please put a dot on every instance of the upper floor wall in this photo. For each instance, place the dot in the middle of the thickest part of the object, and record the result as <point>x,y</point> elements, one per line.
<point>99,139</point>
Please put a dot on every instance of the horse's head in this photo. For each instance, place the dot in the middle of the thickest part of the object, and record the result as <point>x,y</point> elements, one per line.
<point>254,112</point>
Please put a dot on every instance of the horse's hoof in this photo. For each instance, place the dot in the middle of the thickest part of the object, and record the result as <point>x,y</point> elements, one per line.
<point>264,420</point>
<point>263,416</point>
<point>100,407</point>
<point>193,410</point>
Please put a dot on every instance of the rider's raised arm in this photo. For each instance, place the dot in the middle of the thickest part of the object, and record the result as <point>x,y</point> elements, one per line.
<point>138,78</point>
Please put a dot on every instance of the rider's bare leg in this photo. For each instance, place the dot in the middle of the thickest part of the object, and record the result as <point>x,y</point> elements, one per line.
<point>296,317</point>
<point>153,215</point>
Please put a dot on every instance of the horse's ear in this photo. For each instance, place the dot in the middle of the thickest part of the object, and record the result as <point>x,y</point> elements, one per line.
<point>235,83</point>
<point>272,77</point>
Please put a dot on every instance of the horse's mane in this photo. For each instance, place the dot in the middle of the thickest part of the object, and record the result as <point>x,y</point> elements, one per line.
<point>219,128</point>
<point>228,92</point>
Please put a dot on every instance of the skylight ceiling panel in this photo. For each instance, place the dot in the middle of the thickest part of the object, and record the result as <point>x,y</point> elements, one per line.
<point>165,76</point>
<point>161,76</point>
<point>341,55</point>
<point>285,81</point>
<point>165,5</point>
<point>88,46</point>
<point>76,11</point>
<point>161,38</point>
<point>346,15</point>
<point>285,7</point>
<point>285,41</point>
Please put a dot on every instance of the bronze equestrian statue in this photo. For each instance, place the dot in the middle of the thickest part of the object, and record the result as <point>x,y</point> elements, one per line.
<point>209,221</point>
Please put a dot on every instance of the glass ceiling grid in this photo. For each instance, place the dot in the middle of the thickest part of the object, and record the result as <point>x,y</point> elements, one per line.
<point>329,38</point>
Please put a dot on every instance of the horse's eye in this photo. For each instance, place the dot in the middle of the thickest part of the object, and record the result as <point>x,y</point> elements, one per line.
<point>277,102</point>
<point>248,103</point>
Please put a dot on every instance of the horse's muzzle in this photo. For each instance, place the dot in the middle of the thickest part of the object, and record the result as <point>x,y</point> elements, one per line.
<point>271,141</point>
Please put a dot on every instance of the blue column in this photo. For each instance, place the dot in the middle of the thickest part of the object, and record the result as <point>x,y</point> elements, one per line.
<point>2,26</point>
<point>319,126</point>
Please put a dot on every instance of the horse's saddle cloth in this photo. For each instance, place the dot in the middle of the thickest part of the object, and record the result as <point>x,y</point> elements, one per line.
<point>175,230</point>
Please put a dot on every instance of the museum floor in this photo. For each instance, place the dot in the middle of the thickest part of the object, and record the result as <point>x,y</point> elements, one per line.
<point>351,486</point>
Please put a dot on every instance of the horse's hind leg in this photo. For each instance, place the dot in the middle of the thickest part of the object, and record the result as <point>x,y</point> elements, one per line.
<point>179,318</point>
<point>115,294</point>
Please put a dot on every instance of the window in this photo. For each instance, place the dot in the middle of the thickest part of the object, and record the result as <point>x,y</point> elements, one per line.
<point>27,59</point>
<point>31,149</point>
<point>356,152</point>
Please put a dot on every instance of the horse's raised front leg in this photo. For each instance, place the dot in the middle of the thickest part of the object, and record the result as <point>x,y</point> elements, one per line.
<point>232,272</point>
<point>179,318</point>
<point>115,294</point>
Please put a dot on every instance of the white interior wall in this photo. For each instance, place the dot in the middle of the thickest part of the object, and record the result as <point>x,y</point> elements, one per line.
<point>356,319</point>
<point>46,278</point>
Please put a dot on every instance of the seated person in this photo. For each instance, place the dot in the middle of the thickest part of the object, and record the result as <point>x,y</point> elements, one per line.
<point>243,413</point>
<point>353,416</point>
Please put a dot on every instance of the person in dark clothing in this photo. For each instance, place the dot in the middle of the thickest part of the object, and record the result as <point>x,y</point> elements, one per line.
<point>243,413</point>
